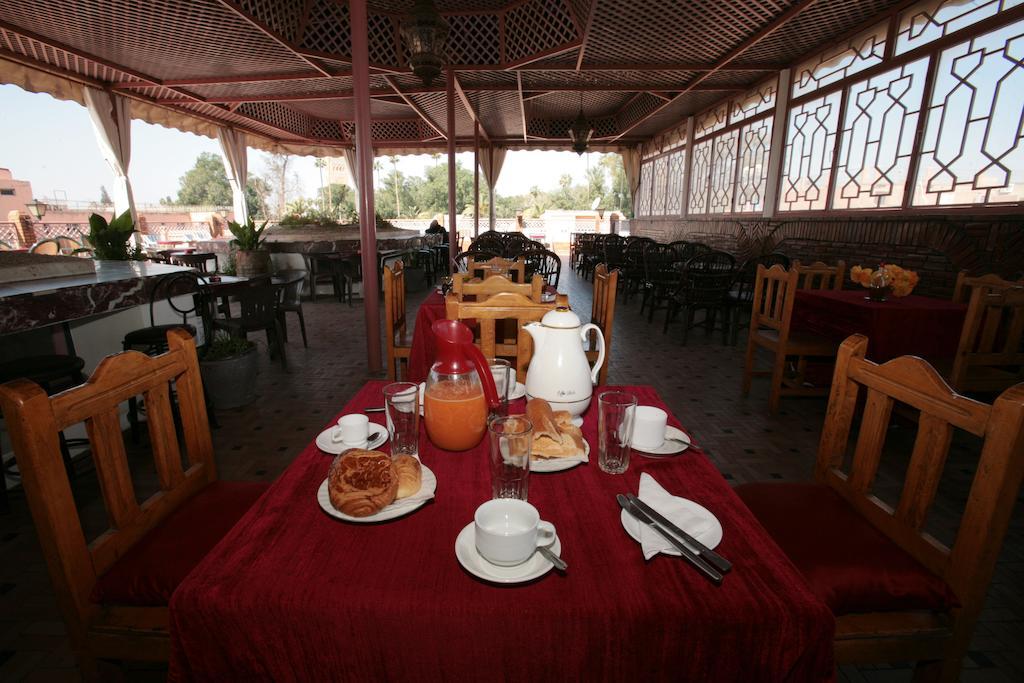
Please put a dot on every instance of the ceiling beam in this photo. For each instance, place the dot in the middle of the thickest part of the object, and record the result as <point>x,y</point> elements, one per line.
<point>272,35</point>
<point>469,109</point>
<point>415,107</point>
<point>233,80</point>
<point>522,104</point>
<point>646,66</point>
<point>730,56</point>
<point>586,33</point>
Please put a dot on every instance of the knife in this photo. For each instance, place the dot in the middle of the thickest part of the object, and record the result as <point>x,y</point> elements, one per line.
<point>694,559</point>
<point>720,563</point>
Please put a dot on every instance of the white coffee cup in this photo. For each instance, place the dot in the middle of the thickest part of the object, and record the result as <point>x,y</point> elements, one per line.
<point>352,429</point>
<point>508,531</point>
<point>649,427</point>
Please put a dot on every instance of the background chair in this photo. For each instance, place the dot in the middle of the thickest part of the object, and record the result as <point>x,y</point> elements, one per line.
<point>464,286</point>
<point>661,277</point>
<point>602,314</point>
<point>542,262</point>
<point>394,318</point>
<point>290,282</point>
<point>259,311</point>
<point>336,268</point>
<point>460,264</point>
<point>505,306</point>
<point>897,592</point>
<point>770,317</point>
<point>742,293</point>
<point>113,592</point>
<point>965,284</point>
<point>819,275</point>
<point>989,356</point>
<point>704,283</point>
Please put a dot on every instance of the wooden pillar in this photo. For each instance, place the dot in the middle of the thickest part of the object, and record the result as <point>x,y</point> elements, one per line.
<point>779,125</point>
<point>476,178</point>
<point>490,188</point>
<point>364,164</point>
<point>453,233</point>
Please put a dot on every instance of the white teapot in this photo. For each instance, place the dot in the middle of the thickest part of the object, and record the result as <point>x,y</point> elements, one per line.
<point>559,372</point>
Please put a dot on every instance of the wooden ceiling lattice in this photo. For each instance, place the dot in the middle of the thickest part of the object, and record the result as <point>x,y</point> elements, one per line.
<point>537,26</point>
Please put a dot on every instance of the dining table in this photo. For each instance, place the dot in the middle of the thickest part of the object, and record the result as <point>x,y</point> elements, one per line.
<point>293,593</point>
<point>899,326</point>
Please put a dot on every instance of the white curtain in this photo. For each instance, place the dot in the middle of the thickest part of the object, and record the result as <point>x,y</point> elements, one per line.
<point>350,159</point>
<point>111,121</point>
<point>236,163</point>
<point>491,162</point>
<point>631,162</point>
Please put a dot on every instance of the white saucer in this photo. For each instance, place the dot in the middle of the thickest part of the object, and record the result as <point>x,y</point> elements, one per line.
<point>378,437</point>
<point>710,537</point>
<point>428,484</point>
<point>667,447</point>
<point>560,464</point>
<point>469,557</point>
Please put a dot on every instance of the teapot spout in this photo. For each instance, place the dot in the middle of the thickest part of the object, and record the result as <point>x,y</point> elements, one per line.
<point>537,332</point>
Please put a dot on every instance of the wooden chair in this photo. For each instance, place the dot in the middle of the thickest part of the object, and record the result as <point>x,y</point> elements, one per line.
<point>602,314</point>
<point>394,318</point>
<point>483,268</point>
<point>990,357</point>
<point>770,316</point>
<point>898,593</point>
<point>464,285</point>
<point>820,275</point>
<point>504,306</point>
<point>114,591</point>
<point>965,284</point>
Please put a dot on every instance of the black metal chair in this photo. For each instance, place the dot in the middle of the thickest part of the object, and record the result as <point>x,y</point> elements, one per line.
<point>687,250</point>
<point>660,277</point>
<point>704,283</point>
<point>489,242</point>
<point>541,262</point>
<point>461,262</point>
<point>741,296</point>
<point>336,268</point>
<point>290,282</point>
<point>198,261</point>
<point>592,255</point>
<point>614,251</point>
<point>632,269</point>
<point>259,311</point>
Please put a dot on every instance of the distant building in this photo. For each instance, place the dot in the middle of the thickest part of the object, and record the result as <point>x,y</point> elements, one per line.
<point>338,173</point>
<point>14,194</point>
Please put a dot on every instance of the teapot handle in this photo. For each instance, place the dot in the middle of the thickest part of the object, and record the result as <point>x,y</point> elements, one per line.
<point>483,370</point>
<point>600,348</point>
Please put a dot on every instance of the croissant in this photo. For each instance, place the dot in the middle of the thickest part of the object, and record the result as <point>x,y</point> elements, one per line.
<point>409,475</point>
<point>361,483</point>
<point>554,434</point>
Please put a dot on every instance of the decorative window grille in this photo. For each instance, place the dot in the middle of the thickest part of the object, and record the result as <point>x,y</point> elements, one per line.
<point>711,121</point>
<point>658,182</point>
<point>840,61</point>
<point>643,193</point>
<point>973,147</point>
<point>699,177</point>
<point>811,139</point>
<point>933,19</point>
<point>752,174</point>
<point>759,101</point>
<point>723,172</point>
<point>674,191</point>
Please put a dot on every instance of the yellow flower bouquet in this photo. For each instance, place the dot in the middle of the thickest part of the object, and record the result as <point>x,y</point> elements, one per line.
<point>888,277</point>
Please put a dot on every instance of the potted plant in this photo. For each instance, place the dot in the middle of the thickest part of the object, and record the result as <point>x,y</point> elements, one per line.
<point>250,260</point>
<point>229,367</point>
<point>109,239</point>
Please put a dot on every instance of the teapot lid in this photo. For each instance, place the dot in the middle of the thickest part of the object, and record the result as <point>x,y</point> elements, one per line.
<point>561,318</point>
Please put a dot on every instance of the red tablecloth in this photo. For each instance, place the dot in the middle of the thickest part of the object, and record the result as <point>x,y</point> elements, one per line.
<point>421,355</point>
<point>292,594</point>
<point>914,325</point>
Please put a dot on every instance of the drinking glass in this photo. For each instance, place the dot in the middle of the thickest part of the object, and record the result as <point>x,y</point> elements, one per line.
<point>402,409</point>
<point>616,411</point>
<point>511,439</point>
<point>501,369</point>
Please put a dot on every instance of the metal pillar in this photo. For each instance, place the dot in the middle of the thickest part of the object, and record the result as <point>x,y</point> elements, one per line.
<point>476,178</point>
<point>490,188</point>
<point>453,233</point>
<point>364,164</point>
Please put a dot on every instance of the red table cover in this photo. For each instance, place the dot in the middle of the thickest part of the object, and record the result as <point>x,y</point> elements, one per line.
<point>292,594</point>
<point>421,355</point>
<point>910,325</point>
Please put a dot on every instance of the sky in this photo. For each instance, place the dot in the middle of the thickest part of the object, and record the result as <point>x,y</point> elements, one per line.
<point>51,144</point>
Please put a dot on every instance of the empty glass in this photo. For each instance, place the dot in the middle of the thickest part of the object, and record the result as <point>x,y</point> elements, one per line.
<point>511,440</point>
<point>402,409</point>
<point>503,374</point>
<point>616,411</point>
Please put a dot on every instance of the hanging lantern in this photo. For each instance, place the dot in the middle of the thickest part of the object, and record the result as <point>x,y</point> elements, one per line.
<point>37,209</point>
<point>424,32</point>
<point>580,131</point>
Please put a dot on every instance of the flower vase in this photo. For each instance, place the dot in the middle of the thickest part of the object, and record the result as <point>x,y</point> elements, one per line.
<point>879,294</point>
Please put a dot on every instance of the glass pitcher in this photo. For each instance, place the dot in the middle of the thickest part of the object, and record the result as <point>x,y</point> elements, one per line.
<point>460,390</point>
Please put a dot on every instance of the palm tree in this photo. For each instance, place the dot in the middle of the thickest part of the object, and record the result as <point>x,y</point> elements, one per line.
<point>394,170</point>
<point>320,163</point>
<point>436,156</point>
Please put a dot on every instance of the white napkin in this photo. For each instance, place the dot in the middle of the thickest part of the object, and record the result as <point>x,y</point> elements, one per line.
<point>693,523</point>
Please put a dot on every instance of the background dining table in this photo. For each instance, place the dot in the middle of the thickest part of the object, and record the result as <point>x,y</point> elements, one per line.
<point>292,593</point>
<point>421,355</point>
<point>910,325</point>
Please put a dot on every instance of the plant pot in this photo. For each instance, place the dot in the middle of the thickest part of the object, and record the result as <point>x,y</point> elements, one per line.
<point>252,263</point>
<point>231,382</point>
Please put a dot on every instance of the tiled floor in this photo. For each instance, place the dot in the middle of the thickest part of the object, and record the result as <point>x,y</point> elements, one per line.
<point>700,382</point>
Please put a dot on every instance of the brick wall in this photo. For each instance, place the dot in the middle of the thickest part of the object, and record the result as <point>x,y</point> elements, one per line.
<point>937,248</point>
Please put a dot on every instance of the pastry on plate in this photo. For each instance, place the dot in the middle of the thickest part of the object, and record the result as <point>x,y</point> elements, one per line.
<point>554,434</point>
<point>361,482</point>
<point>410,475</point>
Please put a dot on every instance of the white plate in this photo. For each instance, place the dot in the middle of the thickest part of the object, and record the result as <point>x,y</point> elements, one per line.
<point>471,560</point>
<point>403,506</point>
<point>710,537</point>
<point>559,464</point>
<point>667,447</point>
<point>325,442</point>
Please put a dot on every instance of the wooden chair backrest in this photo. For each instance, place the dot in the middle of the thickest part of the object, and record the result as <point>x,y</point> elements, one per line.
<point>500,307</point>
<point>464,285</point>
<point>989,355</point>
<point>34,421</point>
<point>967,566</point>
<point>394,306</point>
<point>602,314</point>
<point>820,275</point>
<point>774,294</point>
<point>965,284</point>
<point>484,268</point>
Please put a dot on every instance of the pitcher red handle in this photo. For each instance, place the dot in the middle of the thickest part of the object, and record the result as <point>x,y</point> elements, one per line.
<point>484,371</point>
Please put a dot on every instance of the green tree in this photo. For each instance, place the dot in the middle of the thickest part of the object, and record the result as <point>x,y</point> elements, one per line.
<point>619,198</point>
<point>340,202</point>
<point>431,195</point>
<point>207,184</point>
<point>595,183</point>
<point>396,195</point>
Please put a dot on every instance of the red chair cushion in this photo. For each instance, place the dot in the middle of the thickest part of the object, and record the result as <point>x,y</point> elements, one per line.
<point>848,563</point>
<point>152,569</point>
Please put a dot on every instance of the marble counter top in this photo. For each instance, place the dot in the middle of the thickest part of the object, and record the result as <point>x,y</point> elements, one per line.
<point>114,286</point>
